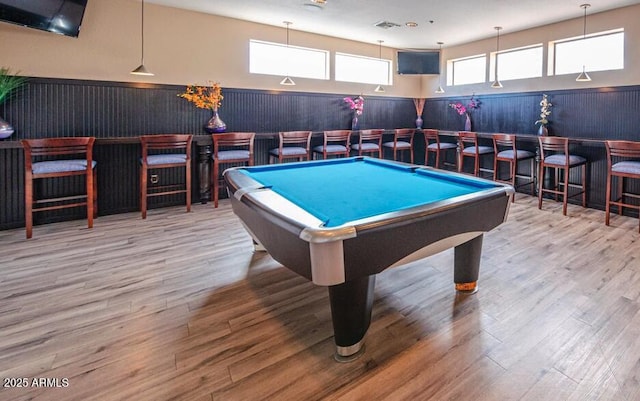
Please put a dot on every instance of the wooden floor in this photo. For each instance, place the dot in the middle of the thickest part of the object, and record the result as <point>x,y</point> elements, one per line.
<point>178,307</point>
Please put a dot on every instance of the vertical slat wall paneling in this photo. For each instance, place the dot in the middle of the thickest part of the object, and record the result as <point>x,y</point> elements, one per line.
<point>60,107</point>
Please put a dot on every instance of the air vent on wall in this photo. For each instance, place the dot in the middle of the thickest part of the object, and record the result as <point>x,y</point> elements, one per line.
<point>386,24</point>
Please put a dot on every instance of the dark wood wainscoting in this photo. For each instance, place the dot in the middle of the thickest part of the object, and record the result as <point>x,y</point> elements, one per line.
<point>46,108</point>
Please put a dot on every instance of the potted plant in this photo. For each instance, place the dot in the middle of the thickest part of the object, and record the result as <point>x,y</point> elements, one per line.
<point>8,83</point>
<point>545,111</point>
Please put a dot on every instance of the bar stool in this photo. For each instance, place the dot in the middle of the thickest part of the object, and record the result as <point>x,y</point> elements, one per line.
<point>554,153</point>
<point>433,145</point>
<point>369,141</point>
<point>623,161</point>
<point>230,147</point>
<point>336,143</point>
<point>469,147</point>
<point>293,145</point>
<point>506,151</point>
<point>164,152</point>
<point>43,160</point>
<point>402,140</point>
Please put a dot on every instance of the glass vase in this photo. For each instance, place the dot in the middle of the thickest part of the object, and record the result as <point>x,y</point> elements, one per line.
<point>467,123</point>
<point>419,122</point>
<point>543,131</point>
<point>215,124</point>
<point>6,130</point>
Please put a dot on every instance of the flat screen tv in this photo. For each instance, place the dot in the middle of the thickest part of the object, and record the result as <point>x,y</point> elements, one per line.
<point>58,16</point>
<point>418,62</point>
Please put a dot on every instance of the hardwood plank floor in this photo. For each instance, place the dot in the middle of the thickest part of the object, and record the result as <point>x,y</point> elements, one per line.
<point>179,307</point>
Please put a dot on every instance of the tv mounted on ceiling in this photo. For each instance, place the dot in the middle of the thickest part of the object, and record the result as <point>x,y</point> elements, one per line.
<point>419,62</point>
<point>58,16</point>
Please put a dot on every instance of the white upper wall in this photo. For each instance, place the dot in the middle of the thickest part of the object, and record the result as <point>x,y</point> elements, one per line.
<point>184,47</point>
<point>626,17</point>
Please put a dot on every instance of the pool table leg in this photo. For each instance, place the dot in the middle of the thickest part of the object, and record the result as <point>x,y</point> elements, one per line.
<point>351,304</point>
<point>467,265</point>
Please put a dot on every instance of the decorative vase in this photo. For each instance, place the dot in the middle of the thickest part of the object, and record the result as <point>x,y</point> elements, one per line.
<point>419,122</point>
<point>355,124</point>
<point>467,123</point>
<point>543,131</point>
<point>215,123</point>
<point>6,130</point>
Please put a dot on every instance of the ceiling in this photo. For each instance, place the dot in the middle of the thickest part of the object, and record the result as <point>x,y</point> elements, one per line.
<point>451,22</point>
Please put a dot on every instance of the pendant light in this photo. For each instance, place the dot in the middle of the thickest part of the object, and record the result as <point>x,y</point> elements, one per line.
<point>287,80</point>
<point>496,84</point>
<point>141,70</point>
<point>379,88</point>
<point>440,90</point>
<point>584,77</point>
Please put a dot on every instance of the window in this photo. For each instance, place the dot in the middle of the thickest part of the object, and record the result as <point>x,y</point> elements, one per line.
<point>524,62</point>
<point>366,70</point>
<point>469,70</point>
<point>597,52</point>
<point>277,59</point>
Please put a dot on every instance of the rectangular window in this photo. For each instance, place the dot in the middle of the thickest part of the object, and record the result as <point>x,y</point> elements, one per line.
<point>524,62</point>
<point>278,59</point>
<point>468,70</point>
<point>366,70</point>
<point>597,52</point>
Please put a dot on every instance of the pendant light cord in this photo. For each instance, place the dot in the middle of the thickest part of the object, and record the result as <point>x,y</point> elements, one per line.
<point>142,35</point>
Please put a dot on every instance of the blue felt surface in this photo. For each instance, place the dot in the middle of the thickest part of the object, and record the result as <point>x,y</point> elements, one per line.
<point>343,190</point>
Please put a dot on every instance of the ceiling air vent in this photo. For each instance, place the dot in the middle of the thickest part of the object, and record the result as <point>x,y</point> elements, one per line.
<point>386,24</point>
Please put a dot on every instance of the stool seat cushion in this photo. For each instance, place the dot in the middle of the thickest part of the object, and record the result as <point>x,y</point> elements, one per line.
<point>559,160</point>
<point>289,151</point>
<point>399,145</point>
<point>331,149</point>
<point>520,154</point>
<point>628,167</point>
<point>61,166</point>
<point>443,145</point>
<point>233,154</point>
<point>366,146</point>
<point>482,150</point>
<point>153,160</point>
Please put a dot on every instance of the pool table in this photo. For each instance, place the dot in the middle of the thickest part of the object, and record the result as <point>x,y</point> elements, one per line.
<point>340,222</point>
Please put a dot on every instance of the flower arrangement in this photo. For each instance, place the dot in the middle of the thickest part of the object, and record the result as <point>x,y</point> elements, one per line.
<point>545,111</point>
<point>8,83</point>
<point>419,104</point>
<point>204,97</point>
<point>462,109</point>
<point>356,104</point>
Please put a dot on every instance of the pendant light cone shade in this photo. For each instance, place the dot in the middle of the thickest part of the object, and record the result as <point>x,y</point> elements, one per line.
<point>142,70</point>
<point>496,84</point>
<point>440,90</point>
<point>379,88</point>
<point>584,77</point>
<point>287,81</point>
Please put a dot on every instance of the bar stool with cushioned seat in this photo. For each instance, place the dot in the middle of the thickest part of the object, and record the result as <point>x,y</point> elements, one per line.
<point>506,151</point>
<point>369,142</point>
<point>433,145</point>
<point>554,154</point>
<point>57,157</point>
<point>623,161</point>
<point>162,152</point>
<point>336,143</point>
<point>469,147</point>
<point>293,145</point>
<point>230,147</point>
<point>402,141</point>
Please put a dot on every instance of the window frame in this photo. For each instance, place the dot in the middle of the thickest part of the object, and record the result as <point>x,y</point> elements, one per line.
<point>496,55</point>
<point>287,70</point>
<point>552,52</point>
<point>451,69</point>
<point>389,64</point>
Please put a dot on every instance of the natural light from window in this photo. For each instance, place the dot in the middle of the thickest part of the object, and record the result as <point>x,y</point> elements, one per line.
<point>366,70</point>
<point>282,60</point>
<point>598,52</point>
<point>470,70</point>
<point>518,63</point>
